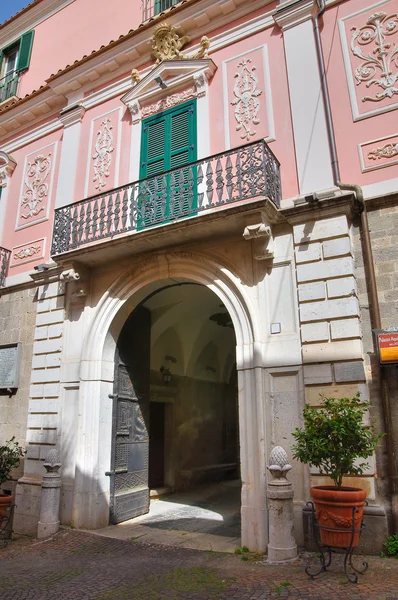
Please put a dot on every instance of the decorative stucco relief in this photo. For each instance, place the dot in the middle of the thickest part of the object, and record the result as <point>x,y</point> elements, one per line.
<point>102,156</point>
<point>168,102</point>
<point>378,69</point>
<point>246,101</point>
<point>386,151</point>
<point>167,44</point>
<point>35,186</point>
<point>28,252</point>
<point>379,153</point>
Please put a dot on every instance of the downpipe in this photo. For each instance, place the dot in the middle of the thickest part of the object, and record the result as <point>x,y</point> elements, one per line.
<point>360,210</point>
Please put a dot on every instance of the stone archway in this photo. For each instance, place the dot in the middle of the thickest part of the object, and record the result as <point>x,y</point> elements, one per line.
<point>91,495</point>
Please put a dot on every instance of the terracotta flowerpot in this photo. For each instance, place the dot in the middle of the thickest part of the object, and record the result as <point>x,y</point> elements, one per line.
<point>5,502</point>
<point>333,511</point>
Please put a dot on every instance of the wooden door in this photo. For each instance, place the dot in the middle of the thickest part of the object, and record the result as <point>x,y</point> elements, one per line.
<point>130,455</point>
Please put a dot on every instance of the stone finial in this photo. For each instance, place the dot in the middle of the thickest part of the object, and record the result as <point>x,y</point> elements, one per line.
<point>53,461</point>
<point>279,463</point>
<point>135,76</point>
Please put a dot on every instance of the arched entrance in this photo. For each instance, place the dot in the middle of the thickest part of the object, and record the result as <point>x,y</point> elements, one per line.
<point>94,444</point>
<point>175,413</point>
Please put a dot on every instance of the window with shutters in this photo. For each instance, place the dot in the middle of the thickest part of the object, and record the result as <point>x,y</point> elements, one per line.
<point>13,60</point>
<point>161,5</point>
<point>168,146</point>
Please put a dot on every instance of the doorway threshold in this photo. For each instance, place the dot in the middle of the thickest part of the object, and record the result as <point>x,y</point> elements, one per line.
<point>207,518</point>
<point>159,491</point>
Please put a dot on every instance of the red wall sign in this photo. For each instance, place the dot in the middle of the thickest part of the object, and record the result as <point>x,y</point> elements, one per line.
<point>388,347</point>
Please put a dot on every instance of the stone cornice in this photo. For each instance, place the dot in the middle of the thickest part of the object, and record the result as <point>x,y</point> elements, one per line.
<point>340,203</point>
<point>293,12</point>
<point>72,115</point>
<point>133,50</point>
<point>30,111</point>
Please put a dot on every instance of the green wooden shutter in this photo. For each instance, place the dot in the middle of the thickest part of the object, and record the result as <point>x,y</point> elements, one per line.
<point>168,142</point>
<point>183,151</point>
<point>153,148</point>
<point>25,50</point>
<point>1,59</point>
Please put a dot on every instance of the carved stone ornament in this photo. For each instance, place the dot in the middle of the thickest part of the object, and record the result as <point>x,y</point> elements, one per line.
<point>52,461</point>
<point>70,275</point>
<point>167,44</point>
<point>102,157</point>
<point>27,252</point>
<point>261,234</point>
<point>168,102</point>
<point>36,186</point>
<point>387,151</point>
<point>135,76</point>
<point>279,463</point>
<point>7,166</point>
<point>379,66</point>
<point>246,101</point>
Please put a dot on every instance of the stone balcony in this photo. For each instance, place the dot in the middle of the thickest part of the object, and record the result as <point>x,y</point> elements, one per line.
<point>210,197</point>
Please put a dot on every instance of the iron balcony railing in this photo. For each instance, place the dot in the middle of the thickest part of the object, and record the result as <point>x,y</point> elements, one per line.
<point>203,186</point>
<point>4,264</point>
<point>8,85</point>
<point>151,8</point>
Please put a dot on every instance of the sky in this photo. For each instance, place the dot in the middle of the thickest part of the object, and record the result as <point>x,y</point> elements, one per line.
<point>8,8</point>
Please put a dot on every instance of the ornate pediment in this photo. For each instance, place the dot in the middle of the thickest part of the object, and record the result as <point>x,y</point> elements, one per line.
<point>170,83</point>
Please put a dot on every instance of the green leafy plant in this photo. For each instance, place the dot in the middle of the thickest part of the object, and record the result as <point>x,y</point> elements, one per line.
<point>391,546</point>
<point>10,457</point>
<point>334,437</point>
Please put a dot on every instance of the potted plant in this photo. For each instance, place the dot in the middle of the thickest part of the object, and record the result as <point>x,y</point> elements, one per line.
<point>333,438</point>
<point>10,457</point>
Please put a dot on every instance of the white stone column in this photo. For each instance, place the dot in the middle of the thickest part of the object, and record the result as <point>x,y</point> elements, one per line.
<point>253,442</point>
<point>71,119</point>
<point>308,114</point>
<point>7,166</point>
<point>50,496</point>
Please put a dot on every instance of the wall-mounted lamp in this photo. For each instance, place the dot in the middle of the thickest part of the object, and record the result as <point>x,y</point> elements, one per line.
<point>160,82</point>
<point>166,375</point>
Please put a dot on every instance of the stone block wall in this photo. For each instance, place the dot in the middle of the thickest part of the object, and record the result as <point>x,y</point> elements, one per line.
<point>329,314</point>
<point>43,411</point>
<point>383,226</point>
<point>17,324</point>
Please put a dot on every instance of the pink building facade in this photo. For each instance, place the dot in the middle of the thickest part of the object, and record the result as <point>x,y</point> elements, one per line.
<point>187,191</point>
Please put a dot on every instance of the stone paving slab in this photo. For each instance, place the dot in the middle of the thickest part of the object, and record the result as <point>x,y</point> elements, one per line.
<point>75,565</point>
<point>170,537</point>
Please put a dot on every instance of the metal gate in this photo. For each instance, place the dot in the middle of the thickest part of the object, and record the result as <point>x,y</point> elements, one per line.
<point>130,451</point>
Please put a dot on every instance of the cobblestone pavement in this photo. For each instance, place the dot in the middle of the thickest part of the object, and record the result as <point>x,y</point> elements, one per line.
<point>75,565</point>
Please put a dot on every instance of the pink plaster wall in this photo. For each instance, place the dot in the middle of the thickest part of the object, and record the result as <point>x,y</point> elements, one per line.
<point>30,238</point>
<point>355,139</point>
<point>120,121</point>
<point>75,31</point>
<point>274,115</point>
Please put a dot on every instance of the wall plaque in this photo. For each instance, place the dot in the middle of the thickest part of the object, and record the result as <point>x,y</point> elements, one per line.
<point>387,345</point>
<point>10,357</point>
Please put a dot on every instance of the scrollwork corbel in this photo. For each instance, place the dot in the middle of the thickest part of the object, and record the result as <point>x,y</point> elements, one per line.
<point>263,241</point>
